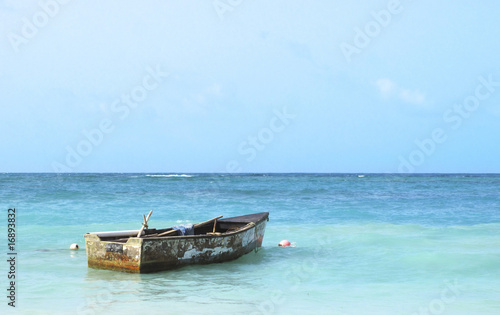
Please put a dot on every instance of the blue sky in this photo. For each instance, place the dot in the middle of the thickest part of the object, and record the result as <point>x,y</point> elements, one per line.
<point>249,86</point>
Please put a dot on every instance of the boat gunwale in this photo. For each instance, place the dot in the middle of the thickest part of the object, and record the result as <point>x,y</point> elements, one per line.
<point>243,229</point>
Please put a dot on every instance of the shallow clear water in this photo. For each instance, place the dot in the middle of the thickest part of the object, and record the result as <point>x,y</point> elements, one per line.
<point>378,244</point>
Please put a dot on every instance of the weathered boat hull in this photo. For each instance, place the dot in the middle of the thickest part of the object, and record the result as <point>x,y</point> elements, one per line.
<point>152,254</point>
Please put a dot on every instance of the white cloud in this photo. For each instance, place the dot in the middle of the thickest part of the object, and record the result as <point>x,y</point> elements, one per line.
<point>201,102</point>
<point>389,88</point>
<point>385,86</point>
<point>215,89</point>
<point>18,5</point>
<point>494,110</point>
<point>412,96</point>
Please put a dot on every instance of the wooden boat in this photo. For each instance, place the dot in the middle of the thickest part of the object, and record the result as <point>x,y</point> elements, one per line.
<point>151,250</point>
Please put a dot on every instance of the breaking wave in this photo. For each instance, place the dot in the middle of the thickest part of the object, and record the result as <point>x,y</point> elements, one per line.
<point>170,175</point>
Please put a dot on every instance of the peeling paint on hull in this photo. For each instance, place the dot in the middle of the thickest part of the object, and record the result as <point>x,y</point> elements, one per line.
<point>145,255</point>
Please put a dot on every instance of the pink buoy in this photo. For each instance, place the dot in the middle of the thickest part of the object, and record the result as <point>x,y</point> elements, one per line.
<point>284,243</point>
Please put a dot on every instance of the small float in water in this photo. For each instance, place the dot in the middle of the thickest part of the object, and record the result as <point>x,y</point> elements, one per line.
<point>152,250</point>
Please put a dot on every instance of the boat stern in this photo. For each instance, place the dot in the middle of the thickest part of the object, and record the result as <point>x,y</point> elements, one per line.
<point>113,255</point>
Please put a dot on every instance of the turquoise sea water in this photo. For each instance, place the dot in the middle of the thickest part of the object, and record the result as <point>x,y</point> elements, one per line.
<point>373,244</point>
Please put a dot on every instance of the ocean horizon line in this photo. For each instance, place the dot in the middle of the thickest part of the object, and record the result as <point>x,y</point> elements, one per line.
<point>262,173</point>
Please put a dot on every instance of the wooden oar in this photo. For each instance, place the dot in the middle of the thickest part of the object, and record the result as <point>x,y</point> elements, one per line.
<point>145,224</point>
<point>206,222</point>
<point>168,233</point>
<point>194,227</point>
